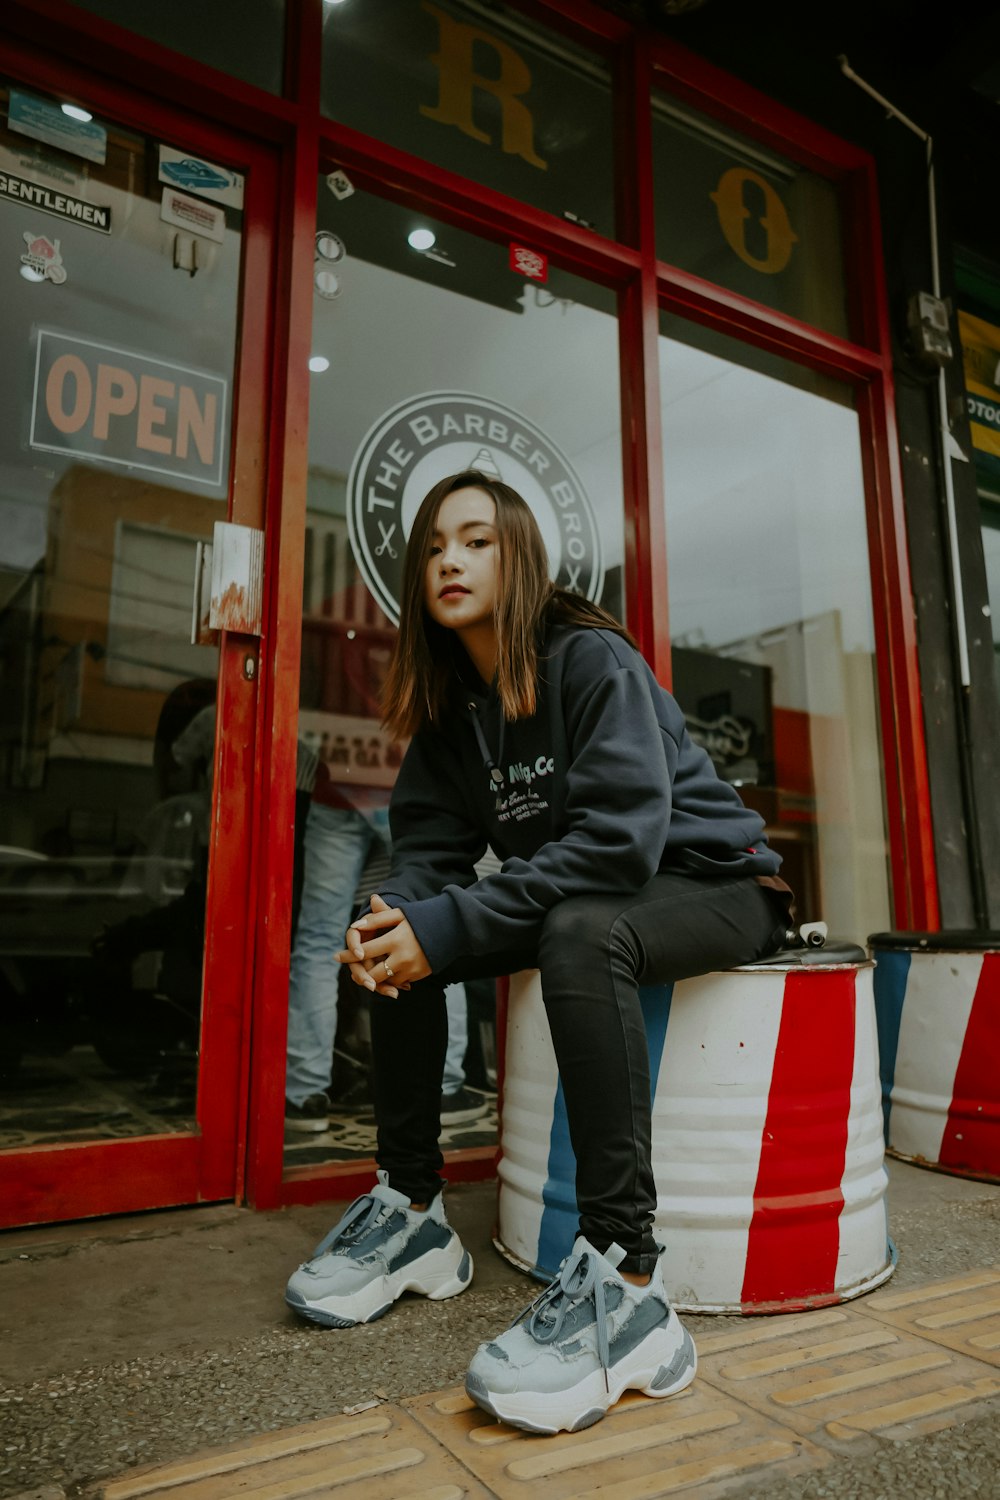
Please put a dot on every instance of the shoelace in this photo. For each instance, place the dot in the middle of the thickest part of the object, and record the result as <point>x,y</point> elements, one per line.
<point>579,1278</point>
<point>361,1216</point>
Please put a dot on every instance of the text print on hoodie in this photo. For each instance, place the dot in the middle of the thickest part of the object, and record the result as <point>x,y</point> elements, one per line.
<point>594,793</point>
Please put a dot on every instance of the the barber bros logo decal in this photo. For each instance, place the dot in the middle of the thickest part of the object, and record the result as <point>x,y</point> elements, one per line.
<point>417,443</point>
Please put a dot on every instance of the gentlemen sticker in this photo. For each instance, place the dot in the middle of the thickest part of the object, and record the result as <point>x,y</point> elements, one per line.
<point>430,436</point>
<point>62,205</point>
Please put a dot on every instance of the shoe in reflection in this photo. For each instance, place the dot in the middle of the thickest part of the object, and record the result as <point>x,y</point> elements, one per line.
<point>311,1116</point>
<point>462,1106</point>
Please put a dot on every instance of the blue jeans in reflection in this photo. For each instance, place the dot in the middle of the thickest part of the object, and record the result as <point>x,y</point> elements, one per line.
<point>338,842</point>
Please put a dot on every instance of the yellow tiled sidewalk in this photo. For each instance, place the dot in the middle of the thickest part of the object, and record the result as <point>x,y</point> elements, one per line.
<point>774,1397</point>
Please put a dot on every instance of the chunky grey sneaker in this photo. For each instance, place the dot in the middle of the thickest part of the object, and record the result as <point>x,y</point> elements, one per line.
<point>586,1340</point>
<point>380,1249</point>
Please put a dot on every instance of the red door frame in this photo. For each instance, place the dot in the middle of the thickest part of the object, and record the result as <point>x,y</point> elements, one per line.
<point>44,1183</point>
<point>645,285</point>
<point>639,59</point>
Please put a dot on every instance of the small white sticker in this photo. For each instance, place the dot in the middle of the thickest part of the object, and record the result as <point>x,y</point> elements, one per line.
<point>329,246</point>
<point>340,184</point>
<point>194,215</point>
<point>327,284</point>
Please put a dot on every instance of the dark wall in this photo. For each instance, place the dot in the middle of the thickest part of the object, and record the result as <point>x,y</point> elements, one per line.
<point>925,61</point>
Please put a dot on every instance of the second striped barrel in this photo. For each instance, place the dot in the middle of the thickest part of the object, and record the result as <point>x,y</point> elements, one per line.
<point>937,999</point>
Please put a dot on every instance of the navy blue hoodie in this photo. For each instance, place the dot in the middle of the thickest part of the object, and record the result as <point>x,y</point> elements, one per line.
<point>598,790</point>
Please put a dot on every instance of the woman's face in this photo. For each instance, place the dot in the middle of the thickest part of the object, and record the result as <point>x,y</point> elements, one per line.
<point>462,570</point>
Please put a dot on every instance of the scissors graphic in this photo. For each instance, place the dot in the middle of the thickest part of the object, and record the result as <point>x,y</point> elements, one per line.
<point>386,543</point>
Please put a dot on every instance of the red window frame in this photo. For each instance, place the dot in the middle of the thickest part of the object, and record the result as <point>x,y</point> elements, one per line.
<point>645,285</point>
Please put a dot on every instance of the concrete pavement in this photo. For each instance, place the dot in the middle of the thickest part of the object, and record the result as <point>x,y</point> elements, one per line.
<point>149,1340</point>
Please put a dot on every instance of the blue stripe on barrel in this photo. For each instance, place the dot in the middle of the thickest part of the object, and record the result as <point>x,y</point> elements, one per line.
<point>559,1212</point>
<point>891,972</point>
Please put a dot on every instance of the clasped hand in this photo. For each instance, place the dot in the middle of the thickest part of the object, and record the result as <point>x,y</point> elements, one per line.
<point>382,951</point>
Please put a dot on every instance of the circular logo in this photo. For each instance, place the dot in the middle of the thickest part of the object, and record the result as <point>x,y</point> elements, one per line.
<point>427,437</point>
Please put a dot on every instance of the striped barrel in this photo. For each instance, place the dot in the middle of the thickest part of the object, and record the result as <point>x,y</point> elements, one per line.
<point>937,999</point>
<point>767,1138</point>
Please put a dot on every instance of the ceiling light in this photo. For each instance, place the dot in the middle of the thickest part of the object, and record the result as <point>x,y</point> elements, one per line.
<point>76,113</point>
<point>319,363</point>
<point>421,239</point>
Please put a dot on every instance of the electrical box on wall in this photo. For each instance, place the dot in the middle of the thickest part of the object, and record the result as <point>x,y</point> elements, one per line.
<point>930,333</point>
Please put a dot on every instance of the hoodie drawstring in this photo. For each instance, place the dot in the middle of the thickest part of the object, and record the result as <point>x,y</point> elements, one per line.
<point>496,775</point>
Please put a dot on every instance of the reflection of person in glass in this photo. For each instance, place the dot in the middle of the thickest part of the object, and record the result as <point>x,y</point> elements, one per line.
<point>537,729</point>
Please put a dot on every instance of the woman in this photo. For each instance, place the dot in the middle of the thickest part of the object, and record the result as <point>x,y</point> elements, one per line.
<point>537,729</point>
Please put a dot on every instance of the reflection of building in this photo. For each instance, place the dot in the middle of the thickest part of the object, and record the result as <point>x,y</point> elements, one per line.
<point>346,641</point>
<point>661,244</point>
<point>97,638</point>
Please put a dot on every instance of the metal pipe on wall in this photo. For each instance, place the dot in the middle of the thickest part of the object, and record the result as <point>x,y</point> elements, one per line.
<point>949,450</point>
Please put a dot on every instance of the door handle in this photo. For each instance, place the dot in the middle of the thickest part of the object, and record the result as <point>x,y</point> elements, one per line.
<point>228,583</point>
<point>237,591</point>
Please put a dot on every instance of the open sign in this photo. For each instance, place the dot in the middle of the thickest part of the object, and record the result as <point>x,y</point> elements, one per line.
<point>119,407</point>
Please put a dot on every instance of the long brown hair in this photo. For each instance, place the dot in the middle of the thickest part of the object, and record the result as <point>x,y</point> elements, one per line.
<point>427,655</point>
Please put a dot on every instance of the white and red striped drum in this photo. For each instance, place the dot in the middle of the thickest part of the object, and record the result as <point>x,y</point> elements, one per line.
<point>937,1000</point>
<point>767,1137</point>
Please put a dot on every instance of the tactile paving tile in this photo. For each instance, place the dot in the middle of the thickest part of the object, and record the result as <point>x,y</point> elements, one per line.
<point>696,1442</point>
<point>838,1374</point>
<point>961,1312</point>
<point>774,1397</point>
<point>380,1454</point>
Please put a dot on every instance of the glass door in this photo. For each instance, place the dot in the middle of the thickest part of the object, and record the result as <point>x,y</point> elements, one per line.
<point>433,350</point>
<point>771,615</point>
<point>123,255</point>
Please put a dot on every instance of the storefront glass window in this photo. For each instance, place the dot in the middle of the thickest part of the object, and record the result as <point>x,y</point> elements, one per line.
<point>979,329</point>
<point>120,330</point>
<point>740,215</point>
<point>477,90</point>
<point>245,38</point>
<point>770,610</point>
<point>990,515</point>
<point>426,362</point>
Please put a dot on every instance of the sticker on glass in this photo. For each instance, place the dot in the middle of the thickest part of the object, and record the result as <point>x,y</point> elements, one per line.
<point>181,170</point>
<point>530,263</point>
<point>43,259</point>
<point>340,184</point>
<point>50,123</point>
<point>327,283</point>
<point>61,205</point>
<point>194,215</point>
<point>329,246</point>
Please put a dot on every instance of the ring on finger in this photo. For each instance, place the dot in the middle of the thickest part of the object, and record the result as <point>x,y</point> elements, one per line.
<point>388,972</point>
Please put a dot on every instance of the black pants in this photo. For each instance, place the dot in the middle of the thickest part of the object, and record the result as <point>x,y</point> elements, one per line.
<point>593,953</point>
